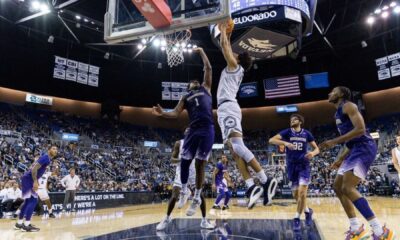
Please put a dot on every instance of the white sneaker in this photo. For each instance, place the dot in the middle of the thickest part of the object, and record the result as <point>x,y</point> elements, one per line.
<point>183,197</point>
<point>254,196</point>
<point>193,207</point>
<point>163,224</point>
<point>205,224</point>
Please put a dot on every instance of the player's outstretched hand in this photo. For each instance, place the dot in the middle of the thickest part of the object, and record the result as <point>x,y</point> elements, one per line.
<point>290,146</point>
<point>327,144</point>
<point>309,155</point>
<point>198,49</point>
<point>157,110</point>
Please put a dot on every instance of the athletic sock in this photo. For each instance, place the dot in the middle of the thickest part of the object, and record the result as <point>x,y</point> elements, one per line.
<point>20,221</point>
<point>197,193</point>
<point>376,226</point>
<point>354,224</point>
<point>297,215</point>
<point>184,188</point>
<point>261,175</point>
<point>249,182</point>
<point>27,223</point>
<point>306,210</point>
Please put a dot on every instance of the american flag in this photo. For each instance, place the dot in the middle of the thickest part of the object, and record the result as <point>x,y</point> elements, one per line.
<point>282,87</point>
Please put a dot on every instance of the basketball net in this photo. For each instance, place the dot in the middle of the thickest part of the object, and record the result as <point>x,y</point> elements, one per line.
<point>177,44</point>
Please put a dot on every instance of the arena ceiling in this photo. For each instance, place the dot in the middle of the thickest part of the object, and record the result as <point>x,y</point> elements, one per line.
<point>335,46</point>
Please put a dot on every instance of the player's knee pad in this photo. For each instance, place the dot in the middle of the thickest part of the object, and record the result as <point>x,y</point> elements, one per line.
<point>240,149</point>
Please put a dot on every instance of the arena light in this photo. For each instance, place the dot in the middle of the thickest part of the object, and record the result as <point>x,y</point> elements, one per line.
<point>175,49</point>
<point>189,45</point>
<point>163,43</point>
<point>157,42</point>
<point>190,50</point>
<point>144,41</point>
<point>384,8</point>
<point>378,11</point>
<point>385,14</point>
<point>370,20</point>
<point>194,46</point>
<point>396,10</point>
<point>86,20</point>
<point>78,17</point>
<point>35,5</point>
<point>140,46</point>
<point>393,4</point>
<point>163,48</point>
<point>44,7</point>
<point>183,45</point>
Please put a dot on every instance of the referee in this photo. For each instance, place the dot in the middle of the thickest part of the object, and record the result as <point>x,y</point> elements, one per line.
<point>71,183</point>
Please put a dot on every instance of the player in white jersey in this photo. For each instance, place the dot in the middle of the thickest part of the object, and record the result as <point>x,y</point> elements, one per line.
<point>230,119</point>
<point>176,190</point>
<point>396,155</point>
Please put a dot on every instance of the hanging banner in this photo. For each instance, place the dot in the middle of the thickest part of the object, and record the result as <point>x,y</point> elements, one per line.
<point>71,70</point>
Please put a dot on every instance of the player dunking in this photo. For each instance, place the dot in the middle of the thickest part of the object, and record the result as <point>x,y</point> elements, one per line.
<point>200,136</point>
<point>353,164</point>
<point>176,158</point>
<point>230,118</point>
<point>220,183</point>
<point>30,185</point>
<point>296,140</point>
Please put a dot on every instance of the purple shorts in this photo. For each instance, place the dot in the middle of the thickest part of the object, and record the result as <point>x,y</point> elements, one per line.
<point>27,188</point>
<point>360,158</point>
<point>198,143</point>
<point>299,173</point>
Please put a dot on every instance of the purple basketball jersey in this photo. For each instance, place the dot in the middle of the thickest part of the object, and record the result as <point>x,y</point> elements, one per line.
<point>300,140</point>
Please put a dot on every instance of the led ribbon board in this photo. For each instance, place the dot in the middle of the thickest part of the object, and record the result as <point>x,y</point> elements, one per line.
<point>306,7</point>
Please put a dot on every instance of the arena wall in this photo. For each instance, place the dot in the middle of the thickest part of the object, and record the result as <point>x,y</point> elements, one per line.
<point>316,113</point>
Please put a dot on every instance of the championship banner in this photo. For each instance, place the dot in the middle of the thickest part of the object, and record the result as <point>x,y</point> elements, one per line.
<point>173,90</point>
<point>71,70</point>
<point>247,90</point>
<point>383,68</point>
<point>394,64</point>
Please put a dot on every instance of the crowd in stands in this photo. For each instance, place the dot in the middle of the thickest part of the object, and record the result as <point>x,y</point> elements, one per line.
<point>110,156</point>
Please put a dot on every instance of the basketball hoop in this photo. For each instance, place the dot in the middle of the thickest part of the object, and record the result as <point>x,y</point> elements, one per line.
<point>176,44</point>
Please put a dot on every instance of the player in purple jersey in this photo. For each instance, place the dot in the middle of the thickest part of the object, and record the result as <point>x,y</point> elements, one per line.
<point>353,163</point>
<point>30,185</point>
<point>296,140</point>
<point>200,136</point>
<point>220,183</point>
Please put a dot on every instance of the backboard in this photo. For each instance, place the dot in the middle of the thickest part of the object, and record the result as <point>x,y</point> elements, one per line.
<point>123,22</point>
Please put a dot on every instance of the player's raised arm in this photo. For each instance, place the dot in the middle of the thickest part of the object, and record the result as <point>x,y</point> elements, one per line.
<point>207,83</point>
<point>175,152</point>
<point>226,47</point>
<point>159,111</point>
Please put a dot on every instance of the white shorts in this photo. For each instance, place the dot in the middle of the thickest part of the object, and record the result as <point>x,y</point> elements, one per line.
<point>191,180</point>
<point>43,194</point>
<point>229,119</point>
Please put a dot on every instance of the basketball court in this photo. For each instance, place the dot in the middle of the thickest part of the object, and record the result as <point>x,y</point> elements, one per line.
<point>139,222</point>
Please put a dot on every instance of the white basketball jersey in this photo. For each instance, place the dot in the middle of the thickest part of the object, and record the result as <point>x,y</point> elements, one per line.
<point>229,84</point>
<point>43,180</point>
<point>397,153</point>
